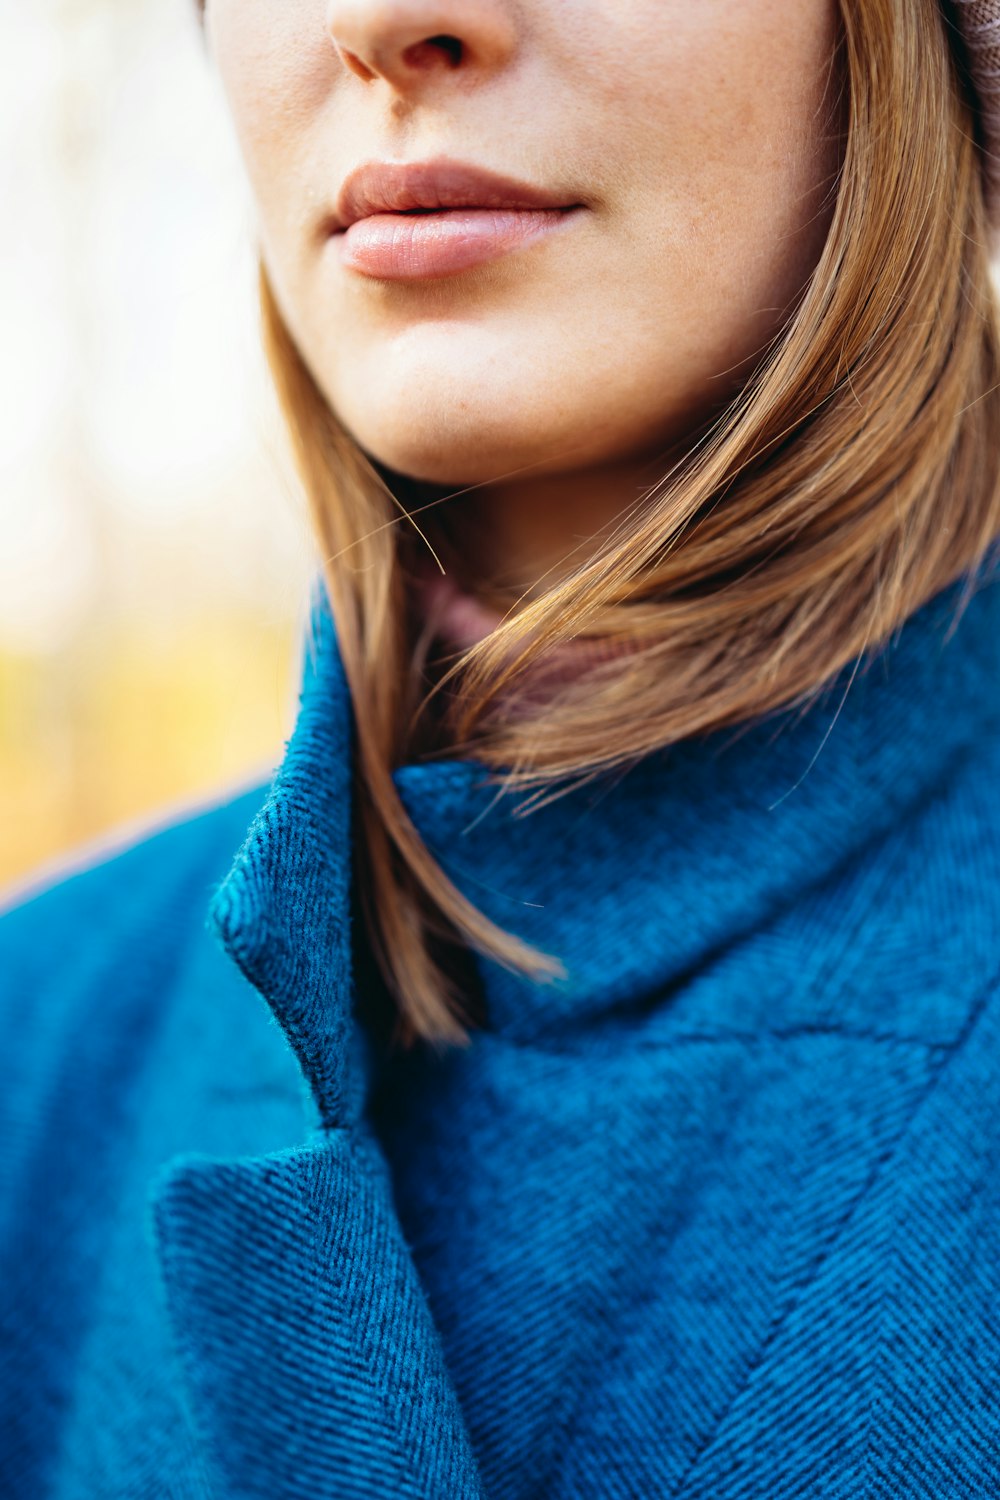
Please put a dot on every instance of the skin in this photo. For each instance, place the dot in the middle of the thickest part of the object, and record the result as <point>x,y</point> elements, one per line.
<point>702,136</point>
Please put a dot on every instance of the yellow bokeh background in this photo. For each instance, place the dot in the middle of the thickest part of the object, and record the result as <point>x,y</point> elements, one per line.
<point>127,726</point>
<point>156,563</point>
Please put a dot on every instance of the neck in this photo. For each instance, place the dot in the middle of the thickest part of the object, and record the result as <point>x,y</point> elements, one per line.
<point>524,534</point>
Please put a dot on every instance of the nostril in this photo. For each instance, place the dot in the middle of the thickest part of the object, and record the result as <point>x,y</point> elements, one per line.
<point>450,45</point>
<point>421,54</point>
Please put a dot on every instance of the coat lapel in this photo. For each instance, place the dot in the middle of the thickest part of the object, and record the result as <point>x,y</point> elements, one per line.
<point>310,1362</point>
<point>879,1375</point>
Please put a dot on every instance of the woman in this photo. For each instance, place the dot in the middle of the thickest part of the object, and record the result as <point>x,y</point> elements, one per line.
<point>638,1136</point>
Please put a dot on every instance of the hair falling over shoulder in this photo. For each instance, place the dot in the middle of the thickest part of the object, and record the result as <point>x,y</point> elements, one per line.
<point>855,475</point>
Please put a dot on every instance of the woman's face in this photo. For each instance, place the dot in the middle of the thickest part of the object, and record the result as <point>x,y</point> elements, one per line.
<point>698,140</point>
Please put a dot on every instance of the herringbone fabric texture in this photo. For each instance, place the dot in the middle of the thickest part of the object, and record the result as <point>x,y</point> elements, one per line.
<point>717,1217</point>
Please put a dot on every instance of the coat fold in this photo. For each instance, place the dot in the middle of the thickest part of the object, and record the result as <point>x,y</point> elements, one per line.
<point>311,1362</point>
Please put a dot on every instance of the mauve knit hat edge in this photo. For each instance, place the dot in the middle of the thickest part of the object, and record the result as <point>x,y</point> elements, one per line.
<point>978,47</point>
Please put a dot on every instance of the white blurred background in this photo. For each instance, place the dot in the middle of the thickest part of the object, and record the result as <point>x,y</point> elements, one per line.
<point>155,552</point>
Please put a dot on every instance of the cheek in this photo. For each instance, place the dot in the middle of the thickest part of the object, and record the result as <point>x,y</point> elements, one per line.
<point>736,198</point>
<point>274,64</point>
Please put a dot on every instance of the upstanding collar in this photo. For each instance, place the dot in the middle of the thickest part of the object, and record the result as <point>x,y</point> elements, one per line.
<point>635,885</point>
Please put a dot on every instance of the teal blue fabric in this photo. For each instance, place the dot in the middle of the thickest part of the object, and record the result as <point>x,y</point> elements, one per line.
<point>717,1215</point>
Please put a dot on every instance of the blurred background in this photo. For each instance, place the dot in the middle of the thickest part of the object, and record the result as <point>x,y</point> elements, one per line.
<point>156,556</point>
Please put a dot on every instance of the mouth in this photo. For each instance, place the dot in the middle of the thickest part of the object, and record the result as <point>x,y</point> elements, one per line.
<point>422,244</point>
<point>422,220</point>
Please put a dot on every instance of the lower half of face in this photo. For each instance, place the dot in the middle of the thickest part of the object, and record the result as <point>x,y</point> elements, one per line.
<point>699,141</point>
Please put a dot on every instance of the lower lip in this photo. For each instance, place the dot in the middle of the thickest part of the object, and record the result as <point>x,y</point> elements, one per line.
<point>417,247</point>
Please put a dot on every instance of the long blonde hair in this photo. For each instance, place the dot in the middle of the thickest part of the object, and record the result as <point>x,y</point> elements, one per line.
<point>853,476</point>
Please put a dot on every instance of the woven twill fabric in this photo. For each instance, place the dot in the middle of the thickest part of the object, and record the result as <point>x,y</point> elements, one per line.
<point>715,1217</point>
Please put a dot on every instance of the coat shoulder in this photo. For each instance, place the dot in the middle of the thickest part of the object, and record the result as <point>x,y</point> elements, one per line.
<point>129,894</point>
<point>153,849</point>
<point>95,950</point>
<point>127,1038</point>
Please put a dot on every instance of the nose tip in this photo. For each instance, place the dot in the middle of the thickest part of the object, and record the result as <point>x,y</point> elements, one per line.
<point>405,42</point>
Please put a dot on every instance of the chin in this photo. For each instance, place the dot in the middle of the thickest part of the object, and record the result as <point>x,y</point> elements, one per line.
<point>444,465</point>
<point>445,422</point>
<point>451,448</point>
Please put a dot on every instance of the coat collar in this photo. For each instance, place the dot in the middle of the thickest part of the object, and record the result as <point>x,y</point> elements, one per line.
<point>642,883</point>
<point>283,911</point>
<point>642,880</point>
<point>308,1352</point>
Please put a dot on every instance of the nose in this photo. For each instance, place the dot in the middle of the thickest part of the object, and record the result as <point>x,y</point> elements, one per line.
<point>407,41</point>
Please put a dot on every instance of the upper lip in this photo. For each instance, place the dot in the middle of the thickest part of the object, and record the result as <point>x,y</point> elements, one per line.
<point>393,187</point>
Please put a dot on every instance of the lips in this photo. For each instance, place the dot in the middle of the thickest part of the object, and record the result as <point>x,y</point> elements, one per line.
<point>409,188</point>
<point>423,221</point>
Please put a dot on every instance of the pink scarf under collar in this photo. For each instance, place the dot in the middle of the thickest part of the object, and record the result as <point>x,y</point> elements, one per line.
<point>457,620</point>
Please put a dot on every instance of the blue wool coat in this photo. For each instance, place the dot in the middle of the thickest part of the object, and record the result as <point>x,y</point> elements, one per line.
<point>718,1215</point>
